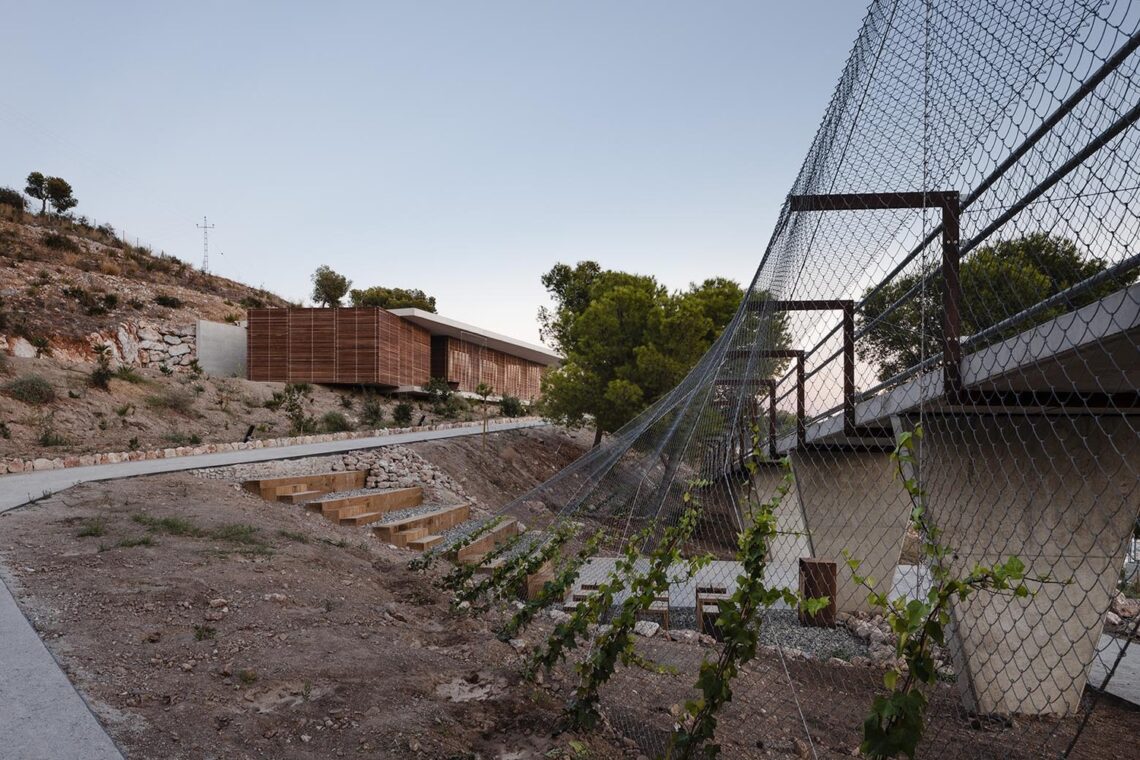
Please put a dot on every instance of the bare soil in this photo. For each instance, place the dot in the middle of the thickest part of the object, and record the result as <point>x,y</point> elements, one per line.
<point>290,638</point>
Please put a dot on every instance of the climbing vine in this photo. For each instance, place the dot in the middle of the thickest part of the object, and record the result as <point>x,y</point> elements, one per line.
<point>553,590</point>
<point>897,719</point>
<point>738,625</point>
<point>424,562</point>
<point>460,576</point>
<point>504,580</point>
<point>616,644</point>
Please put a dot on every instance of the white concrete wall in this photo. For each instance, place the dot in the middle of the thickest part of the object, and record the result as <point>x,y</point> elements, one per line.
<point>221,348</point>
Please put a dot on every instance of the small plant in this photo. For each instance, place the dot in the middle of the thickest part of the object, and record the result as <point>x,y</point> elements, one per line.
<point>237,533</point>
<point>300,538</point>
<point>247,676</point>
<point>172,400</point>
<point>335,422</point>
<point>438,391</point>
<point>58,242</point>
<point>195,368</point>
<point>617,643</point>
<point>371,411</point>
<point>92,528</point>
<point>510,406</point>
<point>47,433</point>
<point>203,632</point>
<point>125,410</point>
<point>402,414</point>
<point>174,526</point>
<point>41,344</point>
<point>128,374</point>
<point>170,302</point>
<point>554,590</point>
<point>133,443</point>
<point>897,720</point>
<point>5,431</point>
<point>100,377</point>
<point>345,401</point>
<point>165,369</point>
<point>738,624</point>
<point>31,389</point>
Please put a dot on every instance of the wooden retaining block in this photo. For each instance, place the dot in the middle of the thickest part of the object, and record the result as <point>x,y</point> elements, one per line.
<point>400,532</point>
<point>475,550</point>
<point>362,509</point>
<point>298,497</point>
<point>425,543</point>
<point>535,581</point>
<point>325,482</point>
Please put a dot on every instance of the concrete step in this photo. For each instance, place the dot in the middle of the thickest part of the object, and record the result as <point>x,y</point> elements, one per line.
<point>380,501</point>
<point>272,488</point>
<point>475,550</point>
<point>435,521</point>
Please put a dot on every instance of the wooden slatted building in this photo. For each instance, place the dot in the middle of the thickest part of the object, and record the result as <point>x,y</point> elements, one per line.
<point>399,349</point>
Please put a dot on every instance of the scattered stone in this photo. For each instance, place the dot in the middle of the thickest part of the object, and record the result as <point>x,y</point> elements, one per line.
<point>219,602</point>
<point>646,628</point>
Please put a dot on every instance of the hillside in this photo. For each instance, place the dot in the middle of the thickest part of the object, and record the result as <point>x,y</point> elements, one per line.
<point>63,281</point>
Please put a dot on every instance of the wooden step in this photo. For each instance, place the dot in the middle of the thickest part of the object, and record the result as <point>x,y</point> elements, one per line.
<point>299,497</point>
<point>324,482</point>
<point>381,502</point>
<point>475,550</point>
<point>425,543</point>
<point>364,518</point>
<point>436,521</point>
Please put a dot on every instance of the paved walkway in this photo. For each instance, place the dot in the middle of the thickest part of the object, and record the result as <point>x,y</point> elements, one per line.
<point>42,716</point>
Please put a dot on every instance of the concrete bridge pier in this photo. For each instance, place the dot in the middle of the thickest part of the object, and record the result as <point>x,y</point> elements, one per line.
<point>852,499</point>
<point>791,541</point>
<point>1062,494</point>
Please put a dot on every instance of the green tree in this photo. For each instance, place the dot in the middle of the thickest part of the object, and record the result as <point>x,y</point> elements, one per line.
<point>328,286</point>
<point>626,339</point>
<point>998,281</point>
<point>59,195</point>
<point>393,298</point>
<point>37,188</point>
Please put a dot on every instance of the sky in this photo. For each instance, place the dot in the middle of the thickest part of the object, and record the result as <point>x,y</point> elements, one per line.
<point>458,147</point>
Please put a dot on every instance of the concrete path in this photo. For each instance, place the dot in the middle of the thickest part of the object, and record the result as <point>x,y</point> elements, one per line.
<point>20,489</point>
<point>42,716</point>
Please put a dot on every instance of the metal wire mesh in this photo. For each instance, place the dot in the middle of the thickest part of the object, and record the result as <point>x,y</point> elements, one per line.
<point>957,252</point>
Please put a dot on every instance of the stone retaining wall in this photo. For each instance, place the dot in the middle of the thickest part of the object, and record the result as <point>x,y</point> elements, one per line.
<point>86,460</point>
<point>137,343</point>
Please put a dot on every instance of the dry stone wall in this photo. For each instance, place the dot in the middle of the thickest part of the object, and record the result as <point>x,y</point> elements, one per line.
<point>137,343</point>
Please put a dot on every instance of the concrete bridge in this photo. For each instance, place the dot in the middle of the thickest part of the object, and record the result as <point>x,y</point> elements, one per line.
<point>1031,448</point>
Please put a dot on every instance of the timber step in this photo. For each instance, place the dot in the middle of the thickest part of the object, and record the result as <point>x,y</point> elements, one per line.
<point>476,550</point>
<point>400,532</point>
<point>298,497</point>
<point>272,489</point>
<point>425,543</point>
<point>364,508</point>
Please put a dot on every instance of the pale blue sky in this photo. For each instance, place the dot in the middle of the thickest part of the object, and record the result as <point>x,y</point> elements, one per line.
<point>459,147</point>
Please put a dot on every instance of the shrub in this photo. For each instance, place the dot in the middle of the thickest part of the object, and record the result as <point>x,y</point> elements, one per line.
<point>48,436</point>
<point>453,407</point>
<point>438,392</point>
<point>402,414</point>
<point>129,375</point>
<point>335,422</point>
<point>170,302</point>
<point>100,377</point>
<point>58,242</point>
<point>372,412</point>
<point>13,199</point>
<point>31,389</point>
<point>511,406</point>
<point>172,400</point>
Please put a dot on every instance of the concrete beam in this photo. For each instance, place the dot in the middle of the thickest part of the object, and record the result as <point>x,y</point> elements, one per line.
<point>1060,493</point>
<point>853,500</point>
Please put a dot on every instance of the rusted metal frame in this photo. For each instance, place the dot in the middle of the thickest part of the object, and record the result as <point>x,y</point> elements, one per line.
<point>772,384</point>
<point>847,306</point>
<point>949,203</point>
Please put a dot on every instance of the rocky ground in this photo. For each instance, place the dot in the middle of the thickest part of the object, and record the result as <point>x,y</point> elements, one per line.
<point>152,410</point>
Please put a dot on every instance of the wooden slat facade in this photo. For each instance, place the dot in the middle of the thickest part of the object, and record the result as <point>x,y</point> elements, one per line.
<point>468,364</point>
<point>350,346</point>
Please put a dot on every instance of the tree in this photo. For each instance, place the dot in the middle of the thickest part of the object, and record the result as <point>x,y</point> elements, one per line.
<point>328,286</point>
<point>626,339</point>
<point>393,298</point>
<point>998,281</point>
<point>482,390</point>
<point>59,195</point>
<point>37,188</point>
